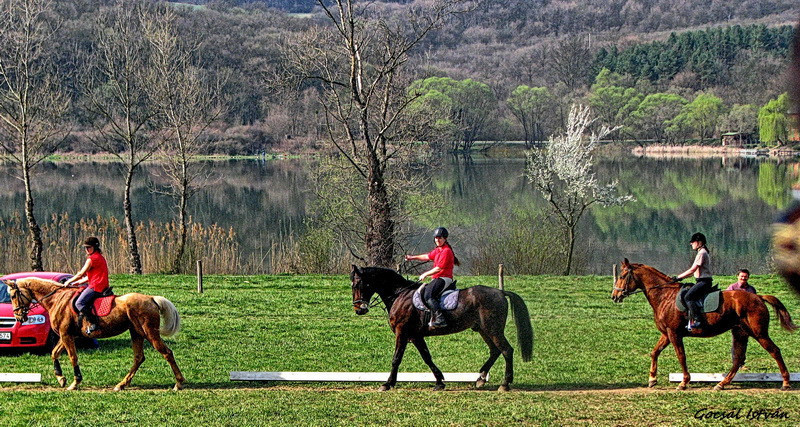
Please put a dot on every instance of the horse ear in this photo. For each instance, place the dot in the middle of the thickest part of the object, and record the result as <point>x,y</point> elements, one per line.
<point>356,270</point>
<point>11,283</point>
<point>626,263</point>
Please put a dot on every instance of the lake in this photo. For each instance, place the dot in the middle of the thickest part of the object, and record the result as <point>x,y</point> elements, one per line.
<point>732,201</point>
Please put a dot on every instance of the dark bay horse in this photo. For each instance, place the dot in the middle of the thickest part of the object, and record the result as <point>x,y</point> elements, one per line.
<point>481,308</point>
<point>137,313</point>
<point>744,314</point>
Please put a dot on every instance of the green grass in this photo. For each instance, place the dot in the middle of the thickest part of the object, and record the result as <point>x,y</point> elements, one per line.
<point>590,362</point>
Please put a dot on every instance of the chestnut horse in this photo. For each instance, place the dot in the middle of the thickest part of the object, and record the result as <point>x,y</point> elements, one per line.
<point>741,312</point>
<point>481,308</point>
<point>137,313</point>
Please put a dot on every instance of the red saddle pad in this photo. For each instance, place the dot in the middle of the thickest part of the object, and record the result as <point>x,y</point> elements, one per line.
<point>102,306</point>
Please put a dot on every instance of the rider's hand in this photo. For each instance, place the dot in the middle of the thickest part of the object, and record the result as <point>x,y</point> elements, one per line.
<point>675,279</point>
<point>422,278</point>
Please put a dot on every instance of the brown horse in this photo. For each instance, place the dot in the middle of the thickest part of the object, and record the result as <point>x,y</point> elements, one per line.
<point>743,313</point>
<point>137,313</point>
<point>481,308</point>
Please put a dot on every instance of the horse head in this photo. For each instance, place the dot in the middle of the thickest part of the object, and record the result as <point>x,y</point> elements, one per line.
<point>362,291</point>
<point>627,283</point>
<point>21,299</point>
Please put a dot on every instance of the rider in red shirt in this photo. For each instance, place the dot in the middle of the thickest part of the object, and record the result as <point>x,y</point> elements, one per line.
<point>95,272</point>
<point>442,274</point>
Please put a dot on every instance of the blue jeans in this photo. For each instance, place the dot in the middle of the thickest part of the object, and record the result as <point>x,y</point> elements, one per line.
<point>86,298</point>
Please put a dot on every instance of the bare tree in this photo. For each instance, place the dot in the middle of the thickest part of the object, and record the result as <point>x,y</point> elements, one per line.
<point>120,103</point>
<point>571,61</point>
<point>360,64</point>
<point>562,173</point>
<point>32,102</point>
<point>189,101</point>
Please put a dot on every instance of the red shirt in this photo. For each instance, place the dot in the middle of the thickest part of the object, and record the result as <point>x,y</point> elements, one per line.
<point>442,257</point>
<point>98,272</point>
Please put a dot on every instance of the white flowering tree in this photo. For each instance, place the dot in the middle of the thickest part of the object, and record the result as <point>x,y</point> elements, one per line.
<point>562,173</point>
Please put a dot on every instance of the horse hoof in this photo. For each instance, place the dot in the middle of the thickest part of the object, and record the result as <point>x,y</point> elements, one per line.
<point>719,387</point>
<point>786,387</point>
<point>72,386</point>
<point>681,387</point>
<point>652,383</point>
<point>480,383</point>
<point>385,388</point>
<point>62,381</point>
<point>438,387</point>
<point>504,388</point>
<point>177,387</point>
<point>117,388</point>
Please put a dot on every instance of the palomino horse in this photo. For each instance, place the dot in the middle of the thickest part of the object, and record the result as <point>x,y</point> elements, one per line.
<point>743,313</point>
<point>137,313</point>
<point>481,308</point>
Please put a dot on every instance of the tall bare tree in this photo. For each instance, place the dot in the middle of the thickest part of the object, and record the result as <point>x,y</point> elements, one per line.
<point>119,84</point>
<point>32,102</point>
<point>360,63</point>
<point>189,101</point>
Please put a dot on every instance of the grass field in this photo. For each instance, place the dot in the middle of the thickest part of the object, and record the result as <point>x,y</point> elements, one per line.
<point>590,363</point>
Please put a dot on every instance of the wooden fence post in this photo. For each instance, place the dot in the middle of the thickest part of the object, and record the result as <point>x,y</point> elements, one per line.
<point>200,276</point>
<point>500,282</point>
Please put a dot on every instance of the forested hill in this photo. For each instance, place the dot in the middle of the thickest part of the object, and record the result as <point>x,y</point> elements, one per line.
<point>521,19</point>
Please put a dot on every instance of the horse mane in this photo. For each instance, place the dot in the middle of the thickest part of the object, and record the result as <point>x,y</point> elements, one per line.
<point>39,281</point>
<point>394,276</point>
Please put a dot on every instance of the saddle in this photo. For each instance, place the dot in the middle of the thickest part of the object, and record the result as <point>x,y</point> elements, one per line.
<point>711,300</point>
<point>448,301</point>
<point>101,306</point>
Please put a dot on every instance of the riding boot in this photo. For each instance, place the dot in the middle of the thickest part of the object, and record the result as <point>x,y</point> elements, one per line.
<point>437,315</point>
<point>694,320</point>
<point>91,319</point>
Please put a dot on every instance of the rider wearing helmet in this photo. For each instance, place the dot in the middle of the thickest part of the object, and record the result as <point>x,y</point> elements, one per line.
<point>701,269</point>
<point>95,272</point>
<point>442,273</point>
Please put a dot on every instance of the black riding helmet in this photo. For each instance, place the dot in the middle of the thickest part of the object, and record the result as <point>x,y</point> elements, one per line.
<point>93,242</point>
<point>440,232</point>
<point>698,237</point>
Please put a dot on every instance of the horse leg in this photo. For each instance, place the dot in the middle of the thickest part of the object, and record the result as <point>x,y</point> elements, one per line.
<point>137,342</point>
<point>422,347</point>
<point>400,343</point>
<point>739,349</point>
<point>55,355</point>
<point>505,348</point>
<point>662,343</point>
<point>775,352</point>
<point>677,342</point>
<point>154,336</point>
<point>494,353</point>
<point>69,344</point>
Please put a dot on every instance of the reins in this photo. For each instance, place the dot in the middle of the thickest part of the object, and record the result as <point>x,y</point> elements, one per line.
<point>630,278</point>
<point>29,301</point>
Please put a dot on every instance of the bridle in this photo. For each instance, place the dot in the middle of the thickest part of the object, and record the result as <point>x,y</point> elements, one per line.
<point>627,290</point>
<point>357,303</point>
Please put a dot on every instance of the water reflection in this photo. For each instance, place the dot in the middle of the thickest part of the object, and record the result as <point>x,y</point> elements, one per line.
<point>732,201</point>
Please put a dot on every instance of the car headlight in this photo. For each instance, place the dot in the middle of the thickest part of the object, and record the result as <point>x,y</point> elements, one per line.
<point>36,319</point>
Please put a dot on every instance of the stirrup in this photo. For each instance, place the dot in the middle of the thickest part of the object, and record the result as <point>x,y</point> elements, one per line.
<point>437,320</point>
<point>693,324</point>
<point>91,328</point>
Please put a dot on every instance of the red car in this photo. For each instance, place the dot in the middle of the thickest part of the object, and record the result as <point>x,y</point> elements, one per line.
<point>35,333</point>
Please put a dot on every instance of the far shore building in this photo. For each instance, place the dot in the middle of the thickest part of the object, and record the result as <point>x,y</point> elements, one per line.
<point>736,139</point>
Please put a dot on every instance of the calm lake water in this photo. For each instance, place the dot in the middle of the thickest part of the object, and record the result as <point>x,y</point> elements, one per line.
<point>733,201</point>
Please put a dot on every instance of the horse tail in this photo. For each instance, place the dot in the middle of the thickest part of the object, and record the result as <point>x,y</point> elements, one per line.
<point>522,320</point>
<point>170,320</point>
<point>781,312</point>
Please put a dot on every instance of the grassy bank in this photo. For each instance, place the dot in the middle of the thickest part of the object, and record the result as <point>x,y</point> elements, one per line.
<point>590,362</point>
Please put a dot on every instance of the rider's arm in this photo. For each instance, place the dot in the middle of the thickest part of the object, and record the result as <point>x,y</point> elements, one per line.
<point>430,272</point>
<point>698,260</point>
<point>80,274</point>
<point>421,257</point>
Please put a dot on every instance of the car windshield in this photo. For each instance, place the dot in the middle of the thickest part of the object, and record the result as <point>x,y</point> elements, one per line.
<point>4,297</point>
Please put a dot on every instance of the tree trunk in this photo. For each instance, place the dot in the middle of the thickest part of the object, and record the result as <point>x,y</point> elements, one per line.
<point>571,237</point>
<point>34,232</point>
<point>380,230</point>
<point>182,219</point>
<point>133,246</point>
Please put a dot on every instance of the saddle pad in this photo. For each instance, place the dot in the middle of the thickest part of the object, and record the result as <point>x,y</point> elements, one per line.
<point>448,300</point>
<point>711,302</point>
<point>102,306</point>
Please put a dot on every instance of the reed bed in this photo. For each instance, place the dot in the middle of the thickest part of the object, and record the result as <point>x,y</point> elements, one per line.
<point>62,236</point>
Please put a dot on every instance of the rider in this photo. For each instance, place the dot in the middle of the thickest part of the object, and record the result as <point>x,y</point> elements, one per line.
<point>95,271</point>
<point>701,269</point>
<point>442,273</point>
